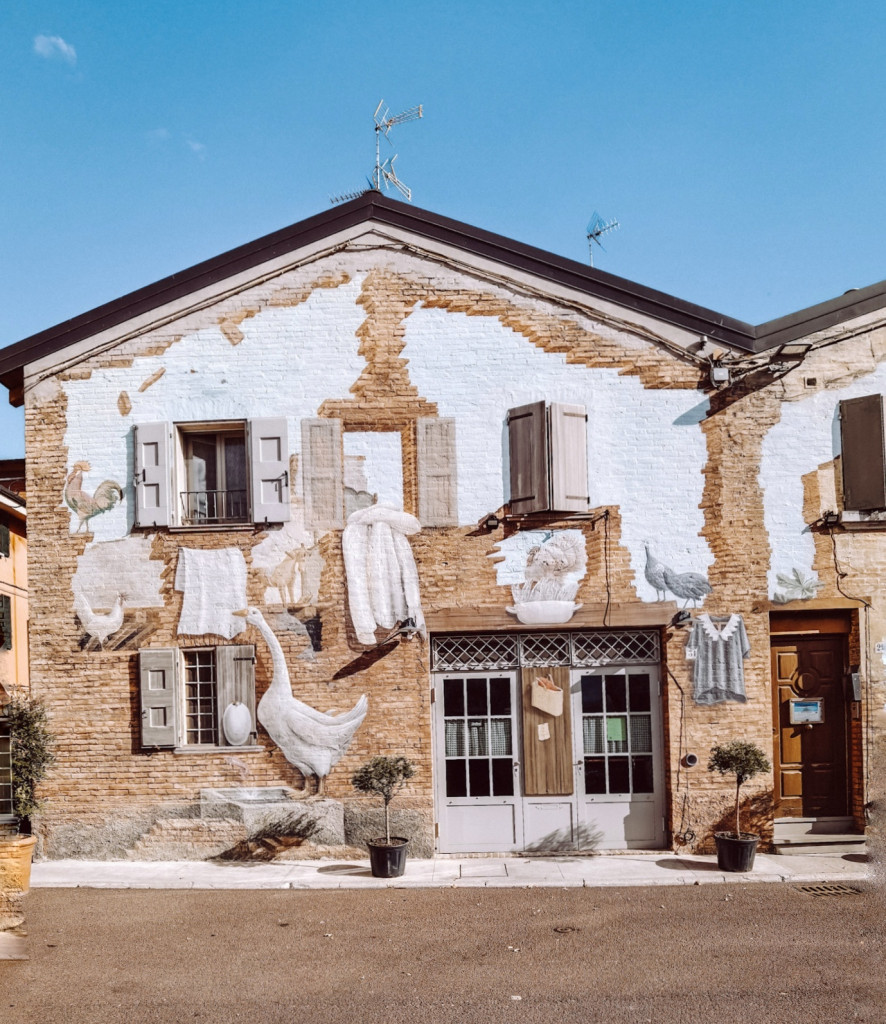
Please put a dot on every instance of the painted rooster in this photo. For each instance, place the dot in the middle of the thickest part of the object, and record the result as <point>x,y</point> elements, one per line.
<point>87,506</point>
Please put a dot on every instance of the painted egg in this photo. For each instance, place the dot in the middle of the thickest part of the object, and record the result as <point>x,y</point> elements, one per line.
<point>237,724</point>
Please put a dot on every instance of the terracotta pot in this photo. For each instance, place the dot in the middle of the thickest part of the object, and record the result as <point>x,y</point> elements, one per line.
<point>15,862</point>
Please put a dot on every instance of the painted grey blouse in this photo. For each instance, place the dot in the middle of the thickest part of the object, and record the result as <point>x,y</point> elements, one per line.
<point>720,644</point>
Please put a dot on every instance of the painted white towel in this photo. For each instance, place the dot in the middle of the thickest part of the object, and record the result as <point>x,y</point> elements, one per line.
<point>380,568</point>
<point>214,585</point>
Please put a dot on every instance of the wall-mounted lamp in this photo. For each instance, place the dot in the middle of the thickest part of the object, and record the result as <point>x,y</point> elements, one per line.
<point>830,518</point>
<point>491,522</point>
<point>682,619</point>
<point>720,374</point>
<point>690,760</point>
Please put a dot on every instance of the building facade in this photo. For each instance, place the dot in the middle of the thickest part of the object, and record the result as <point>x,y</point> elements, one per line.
<point>563,532</point>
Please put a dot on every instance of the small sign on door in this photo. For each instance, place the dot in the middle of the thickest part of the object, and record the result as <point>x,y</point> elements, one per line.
<point>806,712</point>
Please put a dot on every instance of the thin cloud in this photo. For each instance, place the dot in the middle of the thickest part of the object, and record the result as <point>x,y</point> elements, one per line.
<point>158,134</point>
<point>54,47</point>
<point>196,147</point>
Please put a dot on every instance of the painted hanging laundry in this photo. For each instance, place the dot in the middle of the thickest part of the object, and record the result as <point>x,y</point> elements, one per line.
<point>214,587</point>
<point>720,646</point>
<point>382,577</point>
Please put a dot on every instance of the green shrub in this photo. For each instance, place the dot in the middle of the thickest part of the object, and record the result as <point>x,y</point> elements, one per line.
<point>32,752</point>
<point>384,776</point>
<point>744,761</point>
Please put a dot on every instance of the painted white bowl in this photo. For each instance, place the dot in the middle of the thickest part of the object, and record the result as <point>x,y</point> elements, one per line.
<point>536,612</point>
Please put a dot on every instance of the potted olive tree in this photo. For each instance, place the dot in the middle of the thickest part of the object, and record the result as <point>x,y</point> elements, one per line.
<point>735,850</point>
<point>385,777</point>
<point>25,754</point>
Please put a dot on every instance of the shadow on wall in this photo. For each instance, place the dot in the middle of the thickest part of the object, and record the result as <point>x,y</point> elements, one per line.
<point>568,840</point>
<point>756,817</point>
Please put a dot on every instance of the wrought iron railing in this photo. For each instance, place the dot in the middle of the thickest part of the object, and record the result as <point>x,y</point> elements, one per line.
<point>214,507</point>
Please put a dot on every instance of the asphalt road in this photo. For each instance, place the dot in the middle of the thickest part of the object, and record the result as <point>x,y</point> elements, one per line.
<point>713,954</point>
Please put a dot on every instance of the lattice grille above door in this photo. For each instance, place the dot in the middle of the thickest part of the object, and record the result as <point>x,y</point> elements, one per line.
<point>477,652</point>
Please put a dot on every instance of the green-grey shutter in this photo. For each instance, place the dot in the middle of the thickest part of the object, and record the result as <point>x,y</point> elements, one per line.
<point>158,671</point>
<point>863,453</point>
<point>321,469</point>
<point>528,451</point>
<point>437,476</point>
<point>235,675</point>
<point>5,622</point>
<point>569,457</point>
<point>269,469</point>
<point>153,487</point>
<point>4,540</point>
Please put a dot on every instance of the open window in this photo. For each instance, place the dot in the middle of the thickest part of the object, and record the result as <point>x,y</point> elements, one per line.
<point>548,449</point>
<point>212,474</point>
<point>863,446</point>
<point>185,695</point>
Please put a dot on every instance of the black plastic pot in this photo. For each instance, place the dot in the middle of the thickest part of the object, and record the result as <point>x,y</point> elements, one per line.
<point>735,854</point>
<point>387,861</point>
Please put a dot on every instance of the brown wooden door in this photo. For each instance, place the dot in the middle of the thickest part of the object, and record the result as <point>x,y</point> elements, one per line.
<point>810,760</point>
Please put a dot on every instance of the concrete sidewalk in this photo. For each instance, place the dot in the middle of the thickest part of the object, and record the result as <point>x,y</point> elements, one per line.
<point>493,872</point>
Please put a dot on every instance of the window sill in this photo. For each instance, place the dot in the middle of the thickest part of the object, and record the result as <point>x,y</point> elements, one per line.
<point>207,749</point>
<point>874,520</point>
<point>216,528</point>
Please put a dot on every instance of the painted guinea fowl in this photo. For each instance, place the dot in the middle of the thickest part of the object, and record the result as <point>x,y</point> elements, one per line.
<point>654,573</point>
<point>311,740</point>
<point>688,586</point>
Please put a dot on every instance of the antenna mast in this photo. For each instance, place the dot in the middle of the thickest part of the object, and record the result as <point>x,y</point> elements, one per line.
<point>597,227</point>
<point>384,170</point>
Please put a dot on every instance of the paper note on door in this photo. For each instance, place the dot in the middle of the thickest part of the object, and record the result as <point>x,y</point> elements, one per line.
<point>544,731</point>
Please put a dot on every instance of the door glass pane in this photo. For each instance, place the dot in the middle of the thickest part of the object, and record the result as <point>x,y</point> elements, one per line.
<point>478,740</point>
<point>639,690</point>
<point>591,695</point>
<point>616,734</point>
<point>595,774</point>
<point>456,780</point>
<point>477,703</point>
<point>502,776</point>
<point>499,697</point>
<point>641,769</point>
<point>455,739</point>
<point>453,698</point>
<point>616,694</point>
<point>641,733</point>
<point>619,778</point>
<point>478,777</point>
<point>592,729</point>
<point>500,736</point>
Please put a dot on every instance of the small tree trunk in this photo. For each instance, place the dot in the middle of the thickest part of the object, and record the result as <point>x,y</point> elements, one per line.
<point>737,805</point>
<point>387,824</point>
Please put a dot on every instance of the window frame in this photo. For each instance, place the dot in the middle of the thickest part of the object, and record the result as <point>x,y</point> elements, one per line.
<point>220,430</point>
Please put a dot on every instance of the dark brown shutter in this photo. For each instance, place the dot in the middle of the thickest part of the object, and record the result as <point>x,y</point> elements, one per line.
<point>569,457</point>
<point>528,452</point>
<point>157,684</point>
<point>5,622</point>
<point>547,764</point>
<point>863,453</point>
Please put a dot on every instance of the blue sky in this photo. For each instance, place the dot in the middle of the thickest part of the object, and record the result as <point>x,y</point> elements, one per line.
<point>740,145</point>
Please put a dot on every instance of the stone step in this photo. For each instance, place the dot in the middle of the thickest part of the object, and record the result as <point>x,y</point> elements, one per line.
<point>188,839</point>
<point>811,826</point>
<point>821,842</point>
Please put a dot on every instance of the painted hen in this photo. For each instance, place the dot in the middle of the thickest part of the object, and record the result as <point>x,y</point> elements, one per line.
<point>99,625</point>
<point>87,506</point>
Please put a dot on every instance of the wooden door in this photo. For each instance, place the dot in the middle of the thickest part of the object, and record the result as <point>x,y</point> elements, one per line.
<point>810,760</point>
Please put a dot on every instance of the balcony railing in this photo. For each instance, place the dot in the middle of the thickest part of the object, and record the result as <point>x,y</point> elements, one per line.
<point>199,507</point>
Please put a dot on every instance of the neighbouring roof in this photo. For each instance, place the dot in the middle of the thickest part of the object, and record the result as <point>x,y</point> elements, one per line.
<point>373,206</point>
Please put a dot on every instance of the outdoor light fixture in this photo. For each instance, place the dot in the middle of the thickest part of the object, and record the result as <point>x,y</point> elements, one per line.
<point>830,518</point>
<point>720,374</point>
<point>491,522</point>
<point>681,619</point>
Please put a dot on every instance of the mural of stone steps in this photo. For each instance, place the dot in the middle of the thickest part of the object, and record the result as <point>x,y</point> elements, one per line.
<point>188,839</point>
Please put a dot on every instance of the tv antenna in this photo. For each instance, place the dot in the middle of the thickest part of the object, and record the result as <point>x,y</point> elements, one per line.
<point>597,227</point>
<point>384,175</point>
<point>384,170</point>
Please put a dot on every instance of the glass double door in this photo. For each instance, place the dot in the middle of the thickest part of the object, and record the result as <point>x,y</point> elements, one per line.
<point>511,778</point>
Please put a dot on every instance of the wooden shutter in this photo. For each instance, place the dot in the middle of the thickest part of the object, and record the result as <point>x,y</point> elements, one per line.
<point>158,670</point>
<point>863,453</point>
<point>4,540</point>
<point>321,462</point>
<point>569,457</point>
<point>528,451</point>
<point>152,474</point>
<point>269,469</point>
<point>437,475</point>
<point>235,674</point>
<point>5,622</point>
<point>547,764</point>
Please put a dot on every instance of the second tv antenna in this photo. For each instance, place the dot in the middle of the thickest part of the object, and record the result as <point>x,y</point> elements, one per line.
<point>384,170</point>
<point>597,227</point>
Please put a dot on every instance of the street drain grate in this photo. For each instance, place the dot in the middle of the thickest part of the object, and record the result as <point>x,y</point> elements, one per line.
<point>830,890</point>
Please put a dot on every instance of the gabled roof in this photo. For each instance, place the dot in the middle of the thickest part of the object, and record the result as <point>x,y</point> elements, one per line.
<point>373,206</point>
